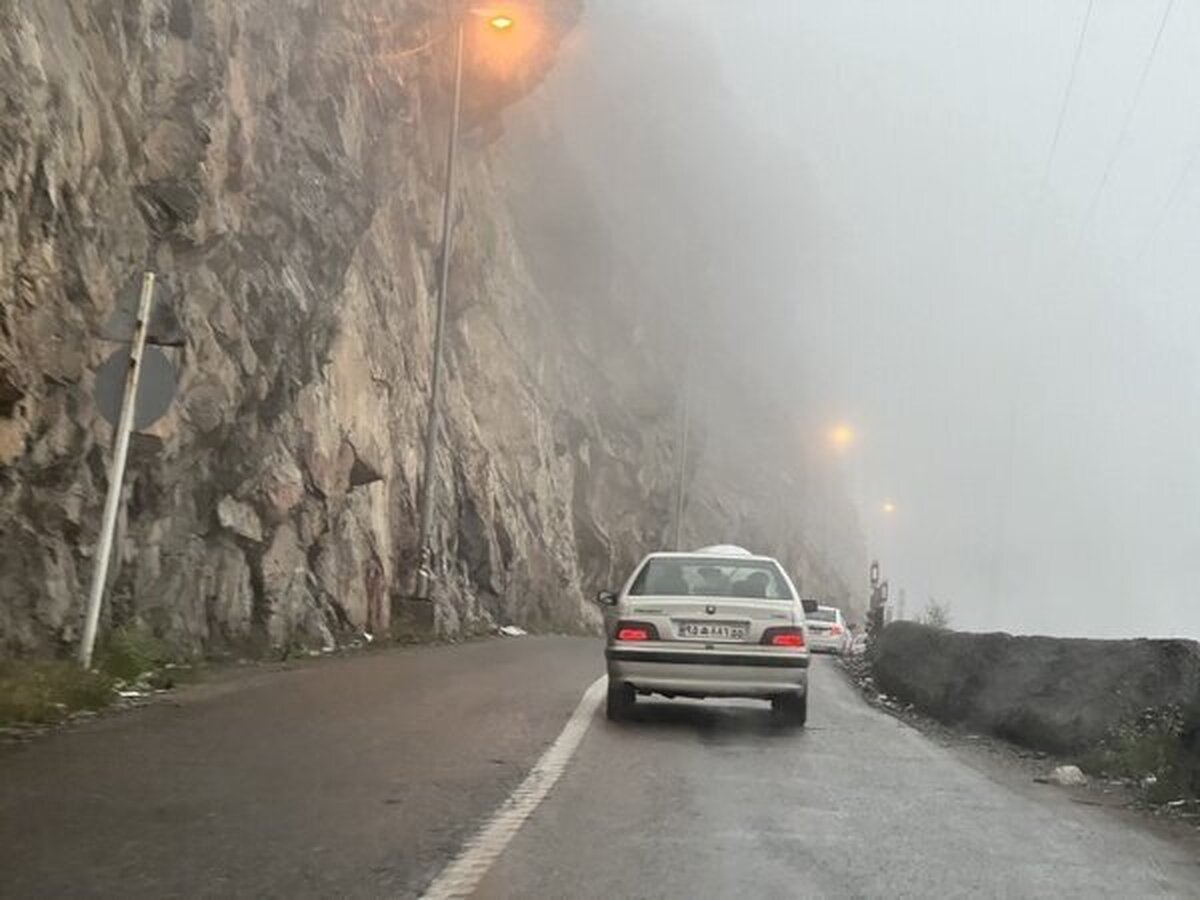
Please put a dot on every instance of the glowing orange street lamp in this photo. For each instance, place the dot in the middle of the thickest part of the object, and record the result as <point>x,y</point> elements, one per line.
<point>841,436</point>
<point>497,22</point>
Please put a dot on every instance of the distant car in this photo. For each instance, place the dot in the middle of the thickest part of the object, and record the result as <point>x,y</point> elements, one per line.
<point>717,622</point>
<point>827,631</point>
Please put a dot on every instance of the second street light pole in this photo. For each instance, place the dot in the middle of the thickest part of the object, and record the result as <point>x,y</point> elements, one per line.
<point>425,508</point>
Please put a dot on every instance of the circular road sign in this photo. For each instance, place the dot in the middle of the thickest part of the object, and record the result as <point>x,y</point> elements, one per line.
<point>156,387</point>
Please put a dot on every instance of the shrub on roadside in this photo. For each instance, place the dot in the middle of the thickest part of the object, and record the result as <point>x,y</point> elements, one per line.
<point>936,615</point>
<point>132,652</point>
<point>44,692</point>
<point>1151,749</point>
<point>41,692</point>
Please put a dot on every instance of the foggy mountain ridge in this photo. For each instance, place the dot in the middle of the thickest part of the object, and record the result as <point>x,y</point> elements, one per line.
<point>1005,316</point>
<point>286,174</point>
<point>963,230</point>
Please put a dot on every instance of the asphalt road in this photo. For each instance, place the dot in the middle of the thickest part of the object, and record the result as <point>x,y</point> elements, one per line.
<point>353,777</point>
<point>712,800</point>
<point>362,777</point>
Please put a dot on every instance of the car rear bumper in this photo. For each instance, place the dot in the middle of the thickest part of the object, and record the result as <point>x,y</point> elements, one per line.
<point>698,673</point>
<point>822,644</point>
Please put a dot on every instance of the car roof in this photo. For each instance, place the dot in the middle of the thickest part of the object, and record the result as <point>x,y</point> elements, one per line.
<point>724,550</point>
<point>738,553</point>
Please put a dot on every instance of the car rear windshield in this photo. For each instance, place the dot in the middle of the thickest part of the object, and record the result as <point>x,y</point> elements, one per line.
<point>823,615</point>
<point>711,577</point>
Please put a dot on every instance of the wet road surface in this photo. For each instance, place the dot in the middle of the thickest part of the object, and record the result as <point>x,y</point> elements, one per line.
<point>362,777</point>
<point>713,800</point>
<point>353,777</point>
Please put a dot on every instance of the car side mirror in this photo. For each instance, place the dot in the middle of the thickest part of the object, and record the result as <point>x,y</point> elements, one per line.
<point>606,598</point>
<point>810,606</point>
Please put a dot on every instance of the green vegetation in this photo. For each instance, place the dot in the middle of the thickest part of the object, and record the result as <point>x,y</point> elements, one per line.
<point>131,653</point>
<point>41,692</point>
<point>1152,751</point>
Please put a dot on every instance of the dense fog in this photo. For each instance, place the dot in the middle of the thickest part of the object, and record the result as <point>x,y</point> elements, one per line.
<point>967,231</point>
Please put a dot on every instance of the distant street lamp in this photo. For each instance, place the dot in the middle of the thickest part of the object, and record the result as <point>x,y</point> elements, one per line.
<point>841,436</point>
<point>498,22</point>
<point>889,507</point>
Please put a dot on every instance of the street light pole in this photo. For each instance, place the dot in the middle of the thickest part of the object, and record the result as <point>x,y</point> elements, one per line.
<point>425,509</point>
<point>684,434</point>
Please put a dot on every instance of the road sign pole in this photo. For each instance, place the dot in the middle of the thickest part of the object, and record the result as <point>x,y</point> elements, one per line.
<point>116,474</point>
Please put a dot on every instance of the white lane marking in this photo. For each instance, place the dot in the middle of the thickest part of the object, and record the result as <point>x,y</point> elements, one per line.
<point>463,873</point>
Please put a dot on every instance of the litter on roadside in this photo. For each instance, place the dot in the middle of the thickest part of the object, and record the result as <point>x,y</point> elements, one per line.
<point>513,631</point>
<point>1067,776</point>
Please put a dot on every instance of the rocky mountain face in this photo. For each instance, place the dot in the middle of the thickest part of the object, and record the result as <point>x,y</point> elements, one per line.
<point>280,164</point>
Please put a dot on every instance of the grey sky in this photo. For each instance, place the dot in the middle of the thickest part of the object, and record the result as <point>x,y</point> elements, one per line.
<point>1022,376</point>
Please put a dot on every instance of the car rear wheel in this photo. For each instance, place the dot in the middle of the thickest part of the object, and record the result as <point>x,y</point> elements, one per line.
<point>621,698</point>
<point>791,708</point>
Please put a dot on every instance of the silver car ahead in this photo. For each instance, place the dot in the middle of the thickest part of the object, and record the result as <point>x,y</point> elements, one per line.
<point>717,622</point>
<point>827,631</point>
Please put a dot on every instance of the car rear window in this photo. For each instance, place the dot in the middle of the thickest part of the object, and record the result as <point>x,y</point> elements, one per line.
<point>711,577</point>
<point>823,615</point>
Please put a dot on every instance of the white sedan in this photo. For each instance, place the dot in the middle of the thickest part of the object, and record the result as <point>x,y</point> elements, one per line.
<point>827,631</point>
<point>719,622</point>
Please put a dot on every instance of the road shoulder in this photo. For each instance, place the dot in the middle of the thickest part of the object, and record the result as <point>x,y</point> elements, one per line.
<point>1024,771</point>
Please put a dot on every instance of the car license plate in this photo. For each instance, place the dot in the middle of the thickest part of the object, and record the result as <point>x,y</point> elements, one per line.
<point>712,631</point>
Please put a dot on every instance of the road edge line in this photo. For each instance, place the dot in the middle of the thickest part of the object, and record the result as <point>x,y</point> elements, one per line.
<point>463,874</point>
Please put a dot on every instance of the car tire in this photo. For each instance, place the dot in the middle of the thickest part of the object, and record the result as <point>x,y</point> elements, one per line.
<point>621,698</point>
<point>791,708</point>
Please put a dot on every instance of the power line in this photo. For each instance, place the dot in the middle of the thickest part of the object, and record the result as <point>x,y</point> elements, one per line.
<point>1001,513</point>
<point>1062,112</point>
<point>1168,205</point>
<point>1137,96</point>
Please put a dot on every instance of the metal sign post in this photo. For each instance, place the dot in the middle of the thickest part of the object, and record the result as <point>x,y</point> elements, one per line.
<point>116,475</point>
<point>876,615</point>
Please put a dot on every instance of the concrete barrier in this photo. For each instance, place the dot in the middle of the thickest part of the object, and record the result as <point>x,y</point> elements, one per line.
<point>1062,695</point>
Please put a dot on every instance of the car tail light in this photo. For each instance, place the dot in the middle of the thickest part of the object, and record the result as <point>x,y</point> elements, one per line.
<point>835,629</point>
<point>636,631</point>
<point>790,637</point>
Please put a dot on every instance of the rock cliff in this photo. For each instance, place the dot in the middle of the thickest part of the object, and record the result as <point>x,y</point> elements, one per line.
<point>280,164</point>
